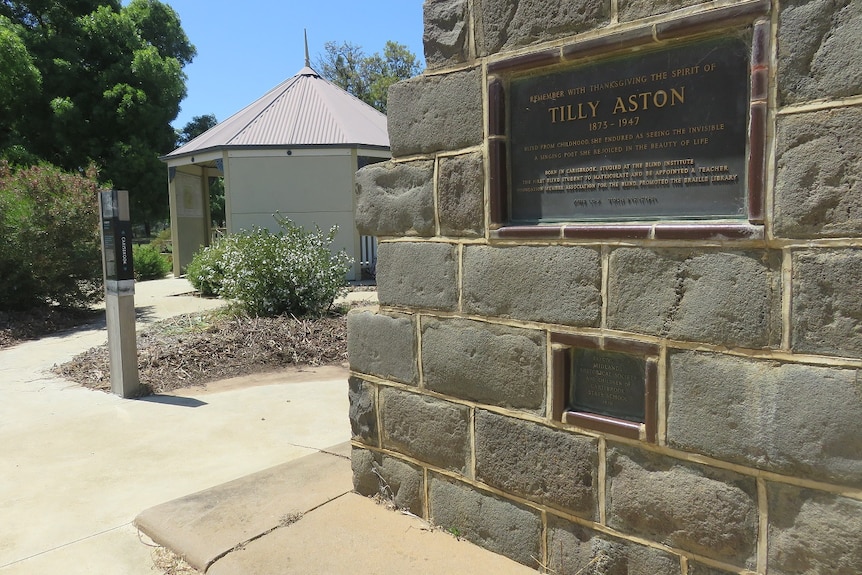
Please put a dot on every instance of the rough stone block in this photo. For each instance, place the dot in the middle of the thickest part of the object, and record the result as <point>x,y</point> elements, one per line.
<point>827,307</point>
<point>389,478</point>
<point>549,466</point>
<point>431,113</point>
<point>491,522</point>
<point>819,53</point>
<point>813,532</point>
<point>554,284</point>
<point>395,199</point>
<point>573,548</point>
<point>365,481</point>
<point>383,345</point>
<point>695,508</point>
<point>414,274</point>
<point>790,418</point>
<point>506,25</point>
<point>461,195</point>
<point>818,184</point>
<point>446,32</point>
<point>426,428</point>
<point>402,483</point>
<point>700,569</point>
<point>363,411</point>
<point>636,9</point>
<point>718,297</point>
<point>487,363</point>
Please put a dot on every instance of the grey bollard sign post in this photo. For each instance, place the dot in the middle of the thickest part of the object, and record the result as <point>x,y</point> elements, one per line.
<point>119,273</point>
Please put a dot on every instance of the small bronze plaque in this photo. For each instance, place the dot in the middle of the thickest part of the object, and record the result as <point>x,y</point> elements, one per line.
<point>653,135</point>
<point>608,383</point>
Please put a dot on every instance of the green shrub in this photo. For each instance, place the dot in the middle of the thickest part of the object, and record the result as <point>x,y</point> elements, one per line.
<point>162,241</point>
<point>206,270</point>
<point>149,263</point>
<point>292,271</point>
<point>49,233</point>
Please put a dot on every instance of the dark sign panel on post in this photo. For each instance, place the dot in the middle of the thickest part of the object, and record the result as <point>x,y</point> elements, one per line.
<point>117,240</point>
<point>652,135</point>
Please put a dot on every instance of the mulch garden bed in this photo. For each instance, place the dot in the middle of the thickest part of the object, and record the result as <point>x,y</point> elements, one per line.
<point>19,326</point>
<point>194,349</point>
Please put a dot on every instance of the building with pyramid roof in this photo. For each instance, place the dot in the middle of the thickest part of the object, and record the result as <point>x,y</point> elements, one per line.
<point>294,151</point>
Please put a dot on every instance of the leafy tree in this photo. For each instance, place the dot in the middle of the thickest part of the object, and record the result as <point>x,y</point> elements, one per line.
<point>160,26</point>
<point>195,127</point>
<point>217,202</point>
<point>398,63</point>
<point>111,83</point>
<point>342,65</point>
<point>21,80</point>
<point>367,77</point>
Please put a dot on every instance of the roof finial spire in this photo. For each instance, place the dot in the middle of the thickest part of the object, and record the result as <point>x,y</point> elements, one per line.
<point>307,59</point>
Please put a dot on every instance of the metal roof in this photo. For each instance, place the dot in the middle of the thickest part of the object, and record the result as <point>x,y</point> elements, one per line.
<point>303,110</point>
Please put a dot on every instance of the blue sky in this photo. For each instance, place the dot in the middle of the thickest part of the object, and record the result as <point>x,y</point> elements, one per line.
<point>246,48</point>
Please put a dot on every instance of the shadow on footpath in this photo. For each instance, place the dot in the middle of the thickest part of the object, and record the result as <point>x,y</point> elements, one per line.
<point>173,400</point>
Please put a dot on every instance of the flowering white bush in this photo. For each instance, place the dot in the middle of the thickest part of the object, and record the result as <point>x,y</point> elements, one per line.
<point>292,271</point>
<point>206,271</point>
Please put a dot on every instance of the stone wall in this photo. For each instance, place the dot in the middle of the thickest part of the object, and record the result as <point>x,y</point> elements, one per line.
<point>756,465</point>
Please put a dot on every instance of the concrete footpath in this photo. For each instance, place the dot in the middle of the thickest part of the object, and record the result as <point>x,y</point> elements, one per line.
<point>249,475</point>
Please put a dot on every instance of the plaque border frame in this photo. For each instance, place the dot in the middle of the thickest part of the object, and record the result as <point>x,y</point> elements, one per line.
<point>707,24</point>
<point>561,373</point>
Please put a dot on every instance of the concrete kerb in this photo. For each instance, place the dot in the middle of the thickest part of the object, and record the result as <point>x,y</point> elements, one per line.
<point>291,518</point>
<point>206,526</point>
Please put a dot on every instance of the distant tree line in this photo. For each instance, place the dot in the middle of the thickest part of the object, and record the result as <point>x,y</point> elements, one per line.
<point>367,77</point>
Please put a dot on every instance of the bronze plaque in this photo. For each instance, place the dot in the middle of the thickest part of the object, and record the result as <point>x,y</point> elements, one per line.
<point>651,135</point>
<point>608,383</point>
